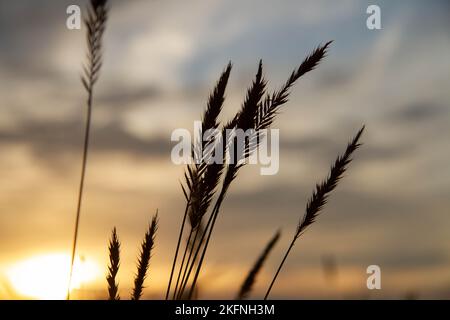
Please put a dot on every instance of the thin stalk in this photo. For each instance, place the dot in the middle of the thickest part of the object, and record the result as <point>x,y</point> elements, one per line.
<point>211,221</point>
<point>320,195</point>
<point>95,25</point>
<point>197,272</point>
<point>180,236</point>
<point>183,286</point>
<point>182,263</point>
<point>280,266</point>
<point>185,278</point>
<point>81,188</point>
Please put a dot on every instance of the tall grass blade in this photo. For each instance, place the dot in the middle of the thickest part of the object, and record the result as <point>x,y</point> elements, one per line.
<point>144,258</point>
<point>95,25</point>
<point>319,197</point>
<point>201,181</point>
<point>250,280</point>
<point>113,268</point>
<point>256,114</point>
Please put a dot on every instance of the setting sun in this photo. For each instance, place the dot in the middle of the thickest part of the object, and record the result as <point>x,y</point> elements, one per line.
<point>46,276</point>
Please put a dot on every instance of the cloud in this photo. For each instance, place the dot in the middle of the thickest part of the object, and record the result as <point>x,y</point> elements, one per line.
<point>420,112</point>
<point>161,59</point>
<point>122,97</point>
<point>52,138</point>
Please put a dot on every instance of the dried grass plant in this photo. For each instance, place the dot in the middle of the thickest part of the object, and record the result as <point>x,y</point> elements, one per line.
<point>144,259</point>
<point>206,183</point>
<point>250,280</point>
<point>95,25</point>
<point>320,197</point>
<point>113,268</point>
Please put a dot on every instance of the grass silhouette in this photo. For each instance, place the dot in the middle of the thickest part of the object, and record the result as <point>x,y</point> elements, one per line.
<point>113,269</point>
<point>250,280</point>
<point>207,182</point>
<point>319,198</point>
<point>144,258</point>
<point>95,25</point>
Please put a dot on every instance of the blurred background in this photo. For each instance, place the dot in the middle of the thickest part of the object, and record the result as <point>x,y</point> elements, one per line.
<point>161,60</point>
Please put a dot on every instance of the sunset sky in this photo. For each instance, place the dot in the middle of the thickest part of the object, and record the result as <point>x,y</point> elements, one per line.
<point>161,60</point>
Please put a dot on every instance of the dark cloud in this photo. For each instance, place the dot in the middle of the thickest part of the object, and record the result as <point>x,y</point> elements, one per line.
<point>122,98</point>
<point>413,258</point>
<point>397,258</point>
<point>327,147</point>
<point>27,31</point>
<point>332,78</point>
<point>346,209</point>
<point>420,111</point>
<point>50,138</point>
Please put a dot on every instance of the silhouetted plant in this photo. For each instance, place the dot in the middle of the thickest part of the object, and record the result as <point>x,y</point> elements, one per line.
<point>144,258</point>
<point>95,25</point>
<point>319,198</point>
<point>256,114</point>
<point>143,264</point>
<point>250,280</point>
<point>202,178</point>
<point>113,269</point>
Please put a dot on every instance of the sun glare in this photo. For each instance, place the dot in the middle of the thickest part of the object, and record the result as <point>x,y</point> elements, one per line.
<point>46,276</point>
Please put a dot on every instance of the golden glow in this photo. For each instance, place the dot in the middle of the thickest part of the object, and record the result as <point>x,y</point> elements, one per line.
<point>46,276</point>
